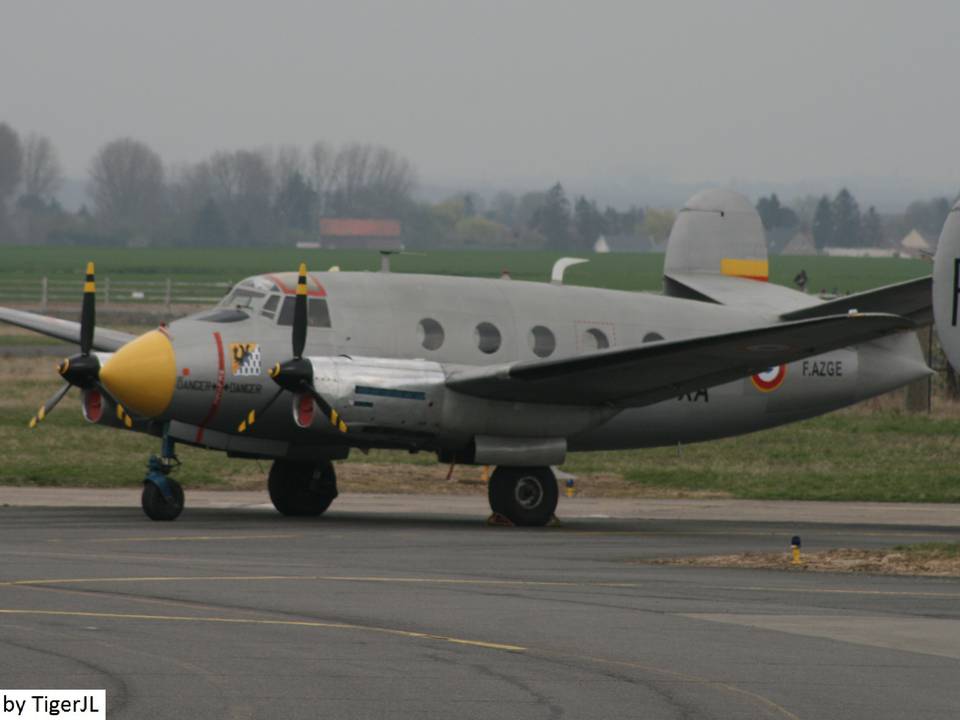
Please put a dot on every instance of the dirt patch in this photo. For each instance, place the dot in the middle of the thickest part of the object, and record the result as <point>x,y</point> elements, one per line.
<point>408,479</point>
<point>878,562</point>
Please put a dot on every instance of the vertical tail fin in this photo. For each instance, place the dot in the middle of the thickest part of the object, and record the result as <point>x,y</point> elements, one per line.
<point>718,232</point>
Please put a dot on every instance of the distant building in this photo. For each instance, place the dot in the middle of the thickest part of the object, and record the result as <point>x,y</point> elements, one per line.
<point>779,237</point>
<point>872,252</point>
<point>360,234</point>
<point>916,245</point>
<point>800,244</point>
<point>626,243</point>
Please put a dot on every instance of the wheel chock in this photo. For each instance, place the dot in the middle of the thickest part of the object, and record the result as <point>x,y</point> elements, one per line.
<point>496,519</point>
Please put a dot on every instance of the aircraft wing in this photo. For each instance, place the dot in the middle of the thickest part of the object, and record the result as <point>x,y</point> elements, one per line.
<point>911,299</point>
<point>635,376</point>
<point>103,339</point>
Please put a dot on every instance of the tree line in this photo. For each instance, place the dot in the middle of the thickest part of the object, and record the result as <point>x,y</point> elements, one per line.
<point>276,196</point>
<point>838,221</point>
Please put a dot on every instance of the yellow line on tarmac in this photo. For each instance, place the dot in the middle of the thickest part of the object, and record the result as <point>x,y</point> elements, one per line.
<point>183,578</point>
<point>254,621</point>
<point>503,647</point>
<point>456,582</point>
<point>316,578</point>
<point>686,677</point>
<point>844,591</point>
<point>753,533</point>
<point>189,538</point>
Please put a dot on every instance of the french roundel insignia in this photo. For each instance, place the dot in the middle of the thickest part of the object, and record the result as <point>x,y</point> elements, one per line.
<point>770,379</point>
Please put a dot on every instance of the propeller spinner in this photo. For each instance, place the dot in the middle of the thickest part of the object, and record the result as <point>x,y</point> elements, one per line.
<point>296,374</point>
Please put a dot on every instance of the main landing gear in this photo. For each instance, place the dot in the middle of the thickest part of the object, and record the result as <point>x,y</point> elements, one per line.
<point>302,489</point>
<point>162,497</point>
<point>524,495</point>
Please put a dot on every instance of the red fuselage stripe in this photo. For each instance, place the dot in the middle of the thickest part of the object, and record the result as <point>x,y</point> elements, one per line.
<point>218,391</point>
<point>287,290</point>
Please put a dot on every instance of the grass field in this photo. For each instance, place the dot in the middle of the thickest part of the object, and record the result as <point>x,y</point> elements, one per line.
<point>872,452</point>
<point>620,271</point>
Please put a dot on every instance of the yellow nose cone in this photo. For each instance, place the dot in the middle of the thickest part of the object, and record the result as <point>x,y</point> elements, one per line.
<point>141,375</point>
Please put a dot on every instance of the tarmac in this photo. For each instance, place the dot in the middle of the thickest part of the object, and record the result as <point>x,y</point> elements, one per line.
<point>396,606</point>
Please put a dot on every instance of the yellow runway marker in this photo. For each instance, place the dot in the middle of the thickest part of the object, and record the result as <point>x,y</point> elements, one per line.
<point>265,622</point>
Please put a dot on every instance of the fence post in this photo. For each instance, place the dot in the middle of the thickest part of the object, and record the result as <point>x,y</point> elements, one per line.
<point>168,295</point>
<point>43,294</point>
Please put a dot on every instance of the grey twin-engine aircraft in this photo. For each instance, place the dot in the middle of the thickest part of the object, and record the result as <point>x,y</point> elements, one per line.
<point>490,371</point>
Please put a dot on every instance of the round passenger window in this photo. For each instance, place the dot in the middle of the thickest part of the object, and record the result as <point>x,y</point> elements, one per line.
<point>430,334</point>
<point>594,339</point>
<point>542,341</point>
<point>652,337</point>
<point>487,337</point>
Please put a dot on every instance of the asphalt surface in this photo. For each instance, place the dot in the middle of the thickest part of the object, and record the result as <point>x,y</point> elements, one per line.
<point>236,612</point>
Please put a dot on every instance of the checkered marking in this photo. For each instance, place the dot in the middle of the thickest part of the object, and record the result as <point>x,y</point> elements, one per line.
<point>245,359</point>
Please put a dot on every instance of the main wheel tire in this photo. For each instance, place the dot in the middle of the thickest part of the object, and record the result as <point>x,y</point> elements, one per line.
<point>157,507</point>
<point>299,489</point>
<point>524,495</point>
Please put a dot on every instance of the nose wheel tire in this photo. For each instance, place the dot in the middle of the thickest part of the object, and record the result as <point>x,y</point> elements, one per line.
<point>158,507</point>
<point>524,495</point>
<point>299,489</point>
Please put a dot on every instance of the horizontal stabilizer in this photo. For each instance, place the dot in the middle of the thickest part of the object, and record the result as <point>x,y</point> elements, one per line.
<point>642,375</point>
<point>66,330</point>
<point>911,299</point>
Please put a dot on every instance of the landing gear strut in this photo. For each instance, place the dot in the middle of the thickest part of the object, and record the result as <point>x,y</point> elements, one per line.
<point>162,497</point>
<point>524,495</point>
<point>302,489</point>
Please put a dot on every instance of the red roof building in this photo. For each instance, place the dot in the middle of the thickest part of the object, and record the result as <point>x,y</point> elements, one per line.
<point>361,234</point>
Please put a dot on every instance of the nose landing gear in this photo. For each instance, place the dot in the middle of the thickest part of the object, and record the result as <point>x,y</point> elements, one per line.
<point>162,497</point>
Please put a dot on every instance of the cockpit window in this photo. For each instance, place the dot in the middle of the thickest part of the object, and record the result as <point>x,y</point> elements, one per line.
<point>243,298</point>
<point>224,315</point>
<point>318,314</point>
<point>270,306</point>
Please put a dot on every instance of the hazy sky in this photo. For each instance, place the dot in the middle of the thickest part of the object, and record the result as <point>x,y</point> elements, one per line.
<point>507,93</point>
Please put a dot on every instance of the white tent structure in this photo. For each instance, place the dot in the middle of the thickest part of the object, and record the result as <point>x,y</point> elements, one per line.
<point>916,245</point>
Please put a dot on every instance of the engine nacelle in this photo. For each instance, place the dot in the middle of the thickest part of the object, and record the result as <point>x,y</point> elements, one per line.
<point>378,396</point>
<point>408,402</point>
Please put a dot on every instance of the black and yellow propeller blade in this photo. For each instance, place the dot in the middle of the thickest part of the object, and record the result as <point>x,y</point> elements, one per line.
<point>49,405</point>
<point>296,375</point>
<point>88,313</point>
<point>251,417</point>
<point>332,415</point>
<point>82,370</point>
<point>300,313</point>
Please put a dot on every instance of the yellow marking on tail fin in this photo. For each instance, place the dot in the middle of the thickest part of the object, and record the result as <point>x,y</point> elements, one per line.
<point>753,269</point>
